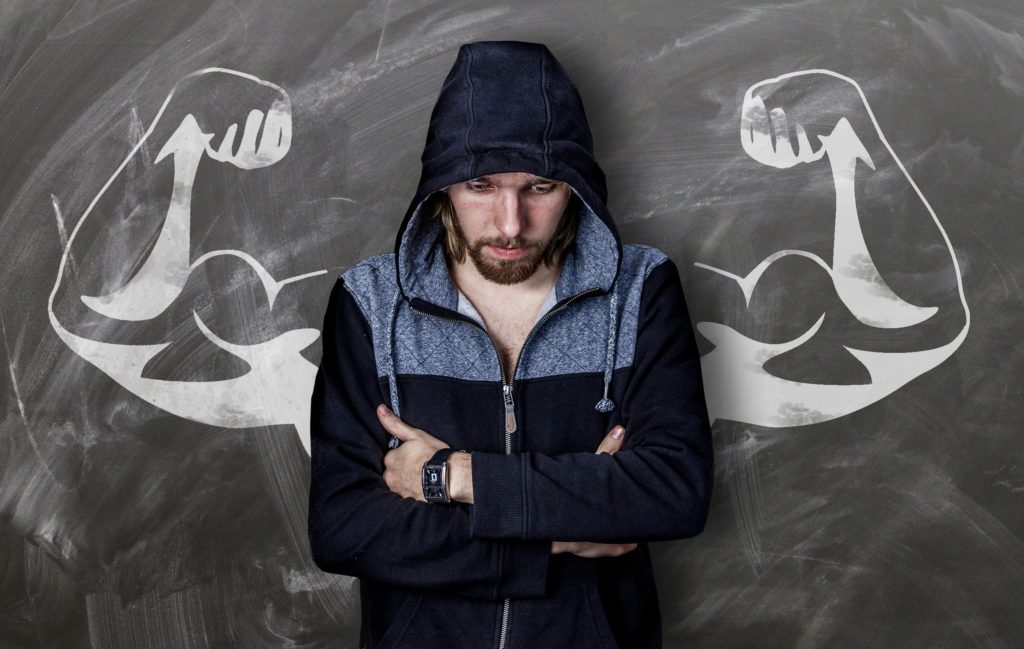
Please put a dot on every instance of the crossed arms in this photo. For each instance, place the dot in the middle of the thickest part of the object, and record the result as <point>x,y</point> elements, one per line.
<point>656,487</point>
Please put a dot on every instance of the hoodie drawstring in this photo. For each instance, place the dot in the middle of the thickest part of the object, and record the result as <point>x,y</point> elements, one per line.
<point>390,353</point>
<point>611,338</point>
<point>606,404</point>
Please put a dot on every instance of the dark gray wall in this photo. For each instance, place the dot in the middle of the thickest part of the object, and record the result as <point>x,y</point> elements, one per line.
<point>882,516</point>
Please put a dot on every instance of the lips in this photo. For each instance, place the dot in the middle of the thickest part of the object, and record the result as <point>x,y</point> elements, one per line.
<point>508,253</point>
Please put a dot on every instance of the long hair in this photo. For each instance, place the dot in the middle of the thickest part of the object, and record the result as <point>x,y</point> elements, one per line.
<point>565,235</point>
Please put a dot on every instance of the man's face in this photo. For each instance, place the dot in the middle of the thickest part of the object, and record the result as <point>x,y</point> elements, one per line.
<point>507,221</point>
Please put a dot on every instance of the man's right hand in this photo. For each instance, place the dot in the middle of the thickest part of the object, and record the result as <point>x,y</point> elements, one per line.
<point>611,443</point>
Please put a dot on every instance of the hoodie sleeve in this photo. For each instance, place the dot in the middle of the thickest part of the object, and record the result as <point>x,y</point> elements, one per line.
<point>656,487</point>
<point>359,527</point>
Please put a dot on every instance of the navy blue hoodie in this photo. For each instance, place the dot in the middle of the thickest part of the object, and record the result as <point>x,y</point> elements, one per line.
<point>616,347</point>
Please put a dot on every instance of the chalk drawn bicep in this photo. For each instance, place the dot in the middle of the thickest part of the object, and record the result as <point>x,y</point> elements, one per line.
<point>230,117</point>
<point>824,107</point>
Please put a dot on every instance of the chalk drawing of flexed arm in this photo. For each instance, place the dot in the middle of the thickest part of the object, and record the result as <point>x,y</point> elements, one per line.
<point>275,389</point>
<point>739,386</point>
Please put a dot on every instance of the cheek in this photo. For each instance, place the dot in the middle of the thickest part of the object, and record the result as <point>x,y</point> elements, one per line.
<point>473,213</point>
<point>547,217</point>
<point>471,229</point>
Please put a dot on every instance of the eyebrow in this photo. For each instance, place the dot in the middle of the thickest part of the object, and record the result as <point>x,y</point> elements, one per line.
<point>537,180</point>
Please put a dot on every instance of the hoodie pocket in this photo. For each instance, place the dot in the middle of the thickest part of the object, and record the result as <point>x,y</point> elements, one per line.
<point>400,620</point>
<point>570,618</point>
<point>433,619</point>
<point>597,613</point>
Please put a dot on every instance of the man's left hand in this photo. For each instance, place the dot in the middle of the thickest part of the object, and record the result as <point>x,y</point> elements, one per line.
<point>403,466</point>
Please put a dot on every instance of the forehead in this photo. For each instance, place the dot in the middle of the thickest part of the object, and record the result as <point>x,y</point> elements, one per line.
<point>513,178</point>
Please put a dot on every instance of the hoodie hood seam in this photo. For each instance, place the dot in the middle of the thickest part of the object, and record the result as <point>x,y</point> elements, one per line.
<point>471,157</point>
<point>547,115</point>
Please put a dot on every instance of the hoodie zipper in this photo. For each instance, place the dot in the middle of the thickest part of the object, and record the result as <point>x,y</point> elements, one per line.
<point>509,403</point>
<point>510,412</point>
<point>507,385</point>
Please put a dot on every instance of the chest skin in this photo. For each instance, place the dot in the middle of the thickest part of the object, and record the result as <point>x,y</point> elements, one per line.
<point>509,328</point>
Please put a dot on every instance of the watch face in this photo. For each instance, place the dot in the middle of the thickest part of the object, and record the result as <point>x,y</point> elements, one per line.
<point>433,487</point>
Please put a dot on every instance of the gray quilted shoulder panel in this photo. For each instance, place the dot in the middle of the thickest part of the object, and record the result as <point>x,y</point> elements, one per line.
<point>574,339</point>
<point>422,344</point>
<point>568,340</point>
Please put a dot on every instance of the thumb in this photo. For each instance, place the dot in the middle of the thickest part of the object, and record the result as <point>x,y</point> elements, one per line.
<point>393,424</point>
<point>612,442</point>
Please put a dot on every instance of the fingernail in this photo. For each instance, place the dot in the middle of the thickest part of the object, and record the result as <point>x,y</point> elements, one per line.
<point>618,432</point>
<point>383,410</point>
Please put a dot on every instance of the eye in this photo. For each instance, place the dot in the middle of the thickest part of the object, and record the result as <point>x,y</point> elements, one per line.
<point>476,186</point>
<point>546,188</point>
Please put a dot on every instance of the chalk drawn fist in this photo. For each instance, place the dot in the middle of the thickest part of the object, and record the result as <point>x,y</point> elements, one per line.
<point>240,119</point>
<point>799,117</point>
<point>273,128</point>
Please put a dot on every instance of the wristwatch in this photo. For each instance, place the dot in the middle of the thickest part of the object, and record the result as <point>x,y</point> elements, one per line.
<point>435,477</point>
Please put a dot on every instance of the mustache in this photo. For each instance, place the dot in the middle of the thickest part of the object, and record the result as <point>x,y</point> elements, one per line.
<point>507,243</point>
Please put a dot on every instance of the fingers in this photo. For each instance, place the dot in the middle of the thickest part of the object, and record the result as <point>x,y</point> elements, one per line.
<point>804,150</point>
<point>400,431</point>
<point>246,157</point>
<point>394,424</point>
<point>753,106</point>
<point>612,442</point>
<point>272,129</point>
<point>224,153</point>
<point>277,132</point>
<point>592,550</point>
<point>780,126</point>
<point>754,128</point>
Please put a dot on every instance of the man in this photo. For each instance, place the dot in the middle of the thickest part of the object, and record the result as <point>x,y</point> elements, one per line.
<point>510,335</point>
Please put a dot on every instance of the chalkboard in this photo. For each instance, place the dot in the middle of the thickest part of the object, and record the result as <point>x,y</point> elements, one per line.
<point>839,184</point>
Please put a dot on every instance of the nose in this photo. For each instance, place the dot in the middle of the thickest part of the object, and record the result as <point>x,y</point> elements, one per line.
<point>511,214</point>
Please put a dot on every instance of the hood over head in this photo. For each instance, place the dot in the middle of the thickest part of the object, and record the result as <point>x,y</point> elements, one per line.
<point>507,106</point>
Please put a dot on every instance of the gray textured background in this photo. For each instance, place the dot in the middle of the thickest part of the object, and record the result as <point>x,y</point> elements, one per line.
<point>898,526</point>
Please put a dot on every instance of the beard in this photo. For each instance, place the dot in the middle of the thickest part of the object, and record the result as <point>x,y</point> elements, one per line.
<point>504,271</point>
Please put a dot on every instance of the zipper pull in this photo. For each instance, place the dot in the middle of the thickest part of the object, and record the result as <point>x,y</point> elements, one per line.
<point>510,410</point>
